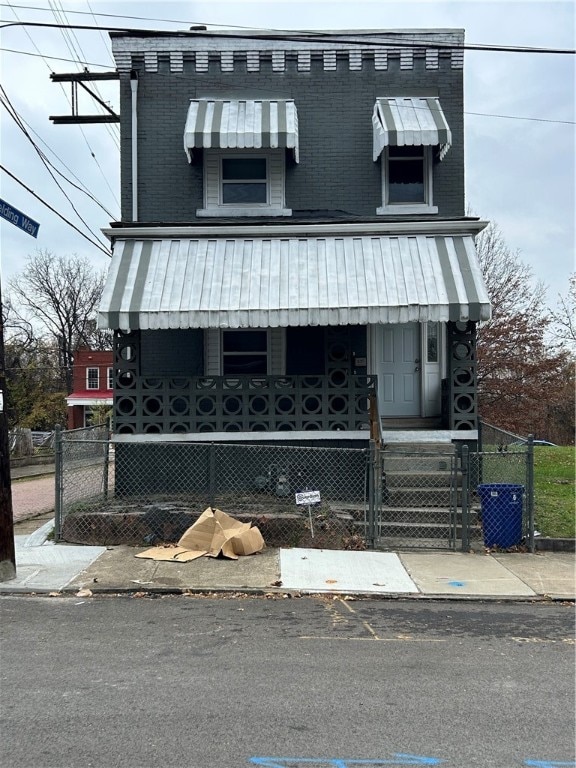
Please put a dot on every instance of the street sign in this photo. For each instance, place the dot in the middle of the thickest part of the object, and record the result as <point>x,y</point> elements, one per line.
<point>19,219</point>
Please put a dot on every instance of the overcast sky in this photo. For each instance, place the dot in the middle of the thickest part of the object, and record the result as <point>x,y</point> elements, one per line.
<point>519,123</point>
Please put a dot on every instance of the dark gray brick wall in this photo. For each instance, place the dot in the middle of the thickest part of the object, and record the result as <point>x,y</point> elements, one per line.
<point>336,170</point>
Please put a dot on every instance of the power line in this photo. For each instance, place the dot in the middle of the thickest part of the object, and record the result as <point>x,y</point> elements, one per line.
<point>20,122</point>
<point>8,105</point>
<point>75,49</point>
<point>54,58</point>
<point>27,188</point>
<point>104,176</point>
<point>357,38</point>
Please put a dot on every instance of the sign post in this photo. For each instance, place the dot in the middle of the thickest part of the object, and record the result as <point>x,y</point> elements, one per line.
<point>307,498</point>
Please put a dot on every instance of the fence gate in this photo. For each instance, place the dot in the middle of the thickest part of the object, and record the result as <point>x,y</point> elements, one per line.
<point>420,499</point>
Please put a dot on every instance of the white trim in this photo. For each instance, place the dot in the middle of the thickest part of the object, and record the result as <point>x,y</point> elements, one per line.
<point>431,373</point>
<point>312,230</point>
<point>400,209</point>
<point>264,210</point>
<point>89,401</point>
<point>134,146</point>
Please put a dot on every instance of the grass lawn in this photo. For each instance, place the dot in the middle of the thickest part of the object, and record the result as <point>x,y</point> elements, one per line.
<point>554,488</point>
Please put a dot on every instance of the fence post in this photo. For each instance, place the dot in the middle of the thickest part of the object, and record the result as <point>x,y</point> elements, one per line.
<point>106,464</point>
<point>212,473</point>
<point>57,482</point>
<point>530,491</point>
<point>465,464</point>
<point>371,532</point>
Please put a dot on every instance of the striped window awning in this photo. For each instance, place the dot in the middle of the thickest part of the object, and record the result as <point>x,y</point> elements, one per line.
<point>260,282</point>
<point>408,122</point>
<point>217,124</point>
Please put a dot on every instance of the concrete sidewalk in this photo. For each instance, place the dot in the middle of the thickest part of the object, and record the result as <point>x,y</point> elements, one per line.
<point>44,567</point>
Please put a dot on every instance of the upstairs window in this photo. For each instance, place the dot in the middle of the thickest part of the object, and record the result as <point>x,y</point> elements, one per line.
<point>245,145</point>
<point>92,378</point>
<point>407,180</point>
<point>408,133</point>
<point>244,181</point>
<point>407,177</point>
<point>110,378</point>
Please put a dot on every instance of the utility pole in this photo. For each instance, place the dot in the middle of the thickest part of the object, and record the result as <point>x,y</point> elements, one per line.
<point>7,549</point>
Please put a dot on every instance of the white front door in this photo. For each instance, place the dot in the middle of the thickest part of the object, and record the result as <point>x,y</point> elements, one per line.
<point>398,370</point>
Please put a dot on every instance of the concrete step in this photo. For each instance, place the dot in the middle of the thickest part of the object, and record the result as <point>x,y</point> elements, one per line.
<point>417,479</point>
<point>423,462</point>
<point>418,448</point>
<point>440,515</point>
<point>420,497</point>
<point>418,530</point>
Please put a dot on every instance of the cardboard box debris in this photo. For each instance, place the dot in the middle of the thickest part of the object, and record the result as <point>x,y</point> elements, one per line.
<point>212,534</point>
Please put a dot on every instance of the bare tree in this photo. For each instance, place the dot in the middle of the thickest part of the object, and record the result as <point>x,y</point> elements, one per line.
<point>521,373</point>
<point>564,317</point>
<point>59,296</point>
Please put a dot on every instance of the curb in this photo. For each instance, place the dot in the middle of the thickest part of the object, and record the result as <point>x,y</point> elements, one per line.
<point>279,593</point>
<point>544,544</point>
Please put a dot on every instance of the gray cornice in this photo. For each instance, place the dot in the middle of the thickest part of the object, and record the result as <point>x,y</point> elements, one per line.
<point>304,230</point>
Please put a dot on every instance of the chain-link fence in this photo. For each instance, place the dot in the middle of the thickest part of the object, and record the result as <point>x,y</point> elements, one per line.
<point>151,492</point>
<point>500,498</point>
<point>148,492</point>
<point>493,438</point>
<point>83,470</point>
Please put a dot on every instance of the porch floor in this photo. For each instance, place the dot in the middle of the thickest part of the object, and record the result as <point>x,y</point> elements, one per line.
<point>398,436</point>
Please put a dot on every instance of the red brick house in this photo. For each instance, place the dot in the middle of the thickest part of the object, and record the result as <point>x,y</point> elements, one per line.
<point>93,386</point>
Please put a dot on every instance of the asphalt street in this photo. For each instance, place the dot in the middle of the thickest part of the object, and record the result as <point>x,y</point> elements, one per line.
<point>136,682</point>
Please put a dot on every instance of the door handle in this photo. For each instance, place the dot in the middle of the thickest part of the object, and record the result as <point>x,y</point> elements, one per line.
<point>416,369</point>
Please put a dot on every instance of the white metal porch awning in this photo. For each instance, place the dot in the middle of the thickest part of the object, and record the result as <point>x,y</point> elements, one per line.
<point>259,282</point>
<point>241,125</point>
<point>399,122</point>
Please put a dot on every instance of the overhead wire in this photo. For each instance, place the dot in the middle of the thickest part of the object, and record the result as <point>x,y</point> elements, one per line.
<point>88,145</point>
<point>20,122</point>
<point>366,38</point>
<point>54,58</point>
<point>76,51</point>
<point>8,105</point>
<point>27,188</point>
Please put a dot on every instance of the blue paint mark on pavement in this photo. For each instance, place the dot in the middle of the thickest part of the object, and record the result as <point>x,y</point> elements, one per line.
<point>549,764</point>
<point>456,583</point>
<point>399,758</point>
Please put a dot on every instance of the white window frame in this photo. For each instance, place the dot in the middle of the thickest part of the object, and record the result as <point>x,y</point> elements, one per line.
<point>110,378</point>
<point>88,383</point>
<point>275,184</point>
<point>408,208</point>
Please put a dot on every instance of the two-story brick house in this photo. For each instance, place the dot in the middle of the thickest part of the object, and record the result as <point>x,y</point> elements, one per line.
<point>293,243</point>
<point>93,385</point>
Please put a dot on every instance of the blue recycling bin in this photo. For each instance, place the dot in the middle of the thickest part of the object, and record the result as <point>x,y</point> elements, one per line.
<point>501,505</point>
